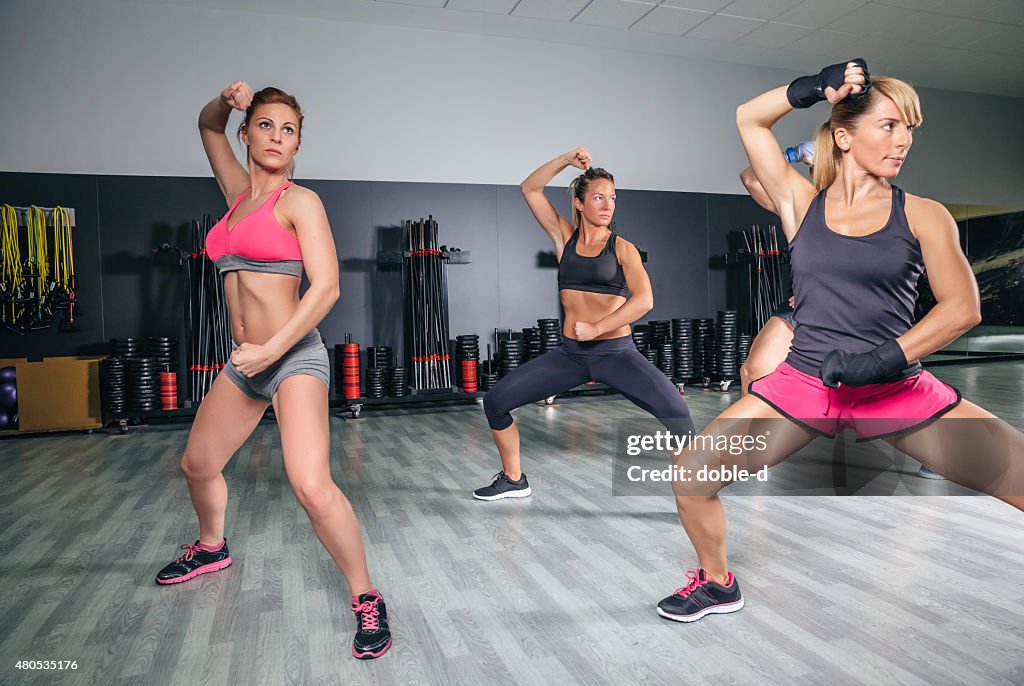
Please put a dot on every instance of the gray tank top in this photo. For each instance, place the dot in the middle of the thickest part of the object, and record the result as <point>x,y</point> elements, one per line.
<point>852,292</point>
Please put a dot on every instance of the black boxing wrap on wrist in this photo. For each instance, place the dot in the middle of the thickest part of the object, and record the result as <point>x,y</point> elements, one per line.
<point>807,90</point>
<point>860,369</point>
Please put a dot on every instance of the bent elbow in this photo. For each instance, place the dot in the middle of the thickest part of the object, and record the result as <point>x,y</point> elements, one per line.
<point>964,316</point>
<point>646,302</point>
<point>332,293</point>
<point>747,178</point>
<point>741,116</point>
<point>972,318</point>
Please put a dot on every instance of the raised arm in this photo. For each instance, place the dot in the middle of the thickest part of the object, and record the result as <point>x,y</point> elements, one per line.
<point>554,225</point>
<point>756,190</point>
<point>787,189</point>
<point>231,176</point>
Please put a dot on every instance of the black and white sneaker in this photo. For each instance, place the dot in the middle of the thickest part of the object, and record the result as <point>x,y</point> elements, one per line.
<point>702,596</point>
<point>504,487</point>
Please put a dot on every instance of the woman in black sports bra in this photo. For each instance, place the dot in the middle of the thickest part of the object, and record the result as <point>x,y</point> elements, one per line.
<point>603,288</point>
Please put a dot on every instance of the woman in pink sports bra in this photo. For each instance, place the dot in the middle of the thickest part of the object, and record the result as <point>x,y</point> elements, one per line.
<point>273,230</point>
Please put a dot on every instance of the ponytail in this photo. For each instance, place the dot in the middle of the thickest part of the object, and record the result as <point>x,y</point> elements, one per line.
<point>827,157</point>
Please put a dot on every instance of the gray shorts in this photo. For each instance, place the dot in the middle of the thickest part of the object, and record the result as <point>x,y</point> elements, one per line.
<point>308,356</point>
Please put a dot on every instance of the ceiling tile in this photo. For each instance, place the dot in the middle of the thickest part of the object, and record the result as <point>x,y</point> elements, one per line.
<point>955,58</point>
<point>959,32</point>
<point>424,3</point>
<point>722,27</point>
<point>819,13</point>
<point>824,42</point>
<point>1008,41</point>
<point>953,8</point>
<point>670,20</point>
<point>879,20</point>
<point>774,35</point>
<point>882,53</point>
<point>553,10</point>
<point>702,5</point>
<point>489,6</point>
<point>1008,12</point>
<point>616,14</point>
<point>758,9</point>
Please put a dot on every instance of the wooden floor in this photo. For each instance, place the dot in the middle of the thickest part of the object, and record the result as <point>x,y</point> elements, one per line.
<point>559,588</point>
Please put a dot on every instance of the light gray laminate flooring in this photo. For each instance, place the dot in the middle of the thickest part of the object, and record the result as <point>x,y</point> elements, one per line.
<point>559,588</point>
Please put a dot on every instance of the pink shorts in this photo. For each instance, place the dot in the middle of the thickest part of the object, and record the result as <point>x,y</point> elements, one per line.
<point>872,411</point>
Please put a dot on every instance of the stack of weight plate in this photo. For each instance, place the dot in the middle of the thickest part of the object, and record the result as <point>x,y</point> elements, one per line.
<point>113,389</point>
<point>399,383</point>
<point>682,344</point>
<point>125,347</point>
<point>510,355</point>
<point>378,358</point>
<point>704,347</point>
<point>531,335</point>
<point>641,336</point>
<point>550,334</point>
<point>727,364</point>
<point>346,369</point>
<point>651,353</point>
<point>681,325</point>
<point>376,381</point>
<point>666,357</point>
<point>659,331</point>
<point>143,385</point>
<point>165,351</point>
<point>467,349</point>
<point>744,347</point>
<point>488,375</point>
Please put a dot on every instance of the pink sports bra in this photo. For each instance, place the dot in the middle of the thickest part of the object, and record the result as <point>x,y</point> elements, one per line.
<point>256,243</point>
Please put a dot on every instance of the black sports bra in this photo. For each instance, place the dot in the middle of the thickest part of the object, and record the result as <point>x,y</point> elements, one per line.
<point>599,274</point>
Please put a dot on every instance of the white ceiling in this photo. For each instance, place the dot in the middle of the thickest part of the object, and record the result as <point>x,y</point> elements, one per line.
<point>968,45</point>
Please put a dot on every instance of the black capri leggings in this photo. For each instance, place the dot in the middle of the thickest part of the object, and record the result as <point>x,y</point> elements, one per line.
<point>614,361</point>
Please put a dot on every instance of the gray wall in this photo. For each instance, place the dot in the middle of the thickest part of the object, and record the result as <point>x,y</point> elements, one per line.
<point>109,87</point>
<point>510,283</point>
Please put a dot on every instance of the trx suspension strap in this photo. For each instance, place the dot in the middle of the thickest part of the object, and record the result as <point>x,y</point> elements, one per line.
<point>11,276</point>
<point>64,267</point>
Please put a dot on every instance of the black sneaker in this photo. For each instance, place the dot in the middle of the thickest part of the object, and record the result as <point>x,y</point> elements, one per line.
<point>373,637</point>
<point>504,487</point>
<point>194,562</point>
<point>702,596</point>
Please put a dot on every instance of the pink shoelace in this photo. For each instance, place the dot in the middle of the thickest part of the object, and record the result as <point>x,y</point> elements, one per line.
<point>369,611</point>
<point>695,581</point>
<point>190,549</point>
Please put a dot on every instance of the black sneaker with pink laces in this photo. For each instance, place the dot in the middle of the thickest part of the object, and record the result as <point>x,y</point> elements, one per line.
<point>198,559</point>
<point>373,637</point>
<point>702,596</point>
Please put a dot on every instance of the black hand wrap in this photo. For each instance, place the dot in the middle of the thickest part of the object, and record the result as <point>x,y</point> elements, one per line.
<point>861,369</point>
<point>807,90</point>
